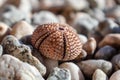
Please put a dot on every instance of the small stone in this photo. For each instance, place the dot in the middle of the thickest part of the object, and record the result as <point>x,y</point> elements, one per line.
<point>115,75</point>
<point>84,23</point>
<point>23,52</point>
<point>83,38</point>
<point>60,74</point>
<point>105,52</point>
<point>10,15</point>
<point>44,17</point>
<point>4,30</point>
<point>1,50</point>
<point>21,29</point>
<point>50,64</point>
<point>107,26</point>
<point>111,39</point>
<point>100,4</point>
<point>116,62</point>
<point>12,68</point>
<point>75,71</point>
<point>89,66</point>
<point>22,5</point>
<point>113,12</point>
<point>76,5</point>
<point>99,75</point>
<point>90,46</point>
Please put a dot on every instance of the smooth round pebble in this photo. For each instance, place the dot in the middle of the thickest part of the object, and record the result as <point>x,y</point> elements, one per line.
<point>105,52</point>
<point>75,71</point>
<point>99,75</point>
<point>115,75</point>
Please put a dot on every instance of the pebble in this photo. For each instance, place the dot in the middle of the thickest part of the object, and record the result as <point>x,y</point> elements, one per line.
<point>4,30</point>
<point>99,75</point>
<point>21,29</point>
<point>115,75</point>
<point>105,52</point>
<point>116,62</point>
<point>83,38</point>
<point>84,23</point>
<point>107,26</point>
<point>1,50</point>
<point>43,17</point>
<point>90,46</point>
<point>10,15</point>
<point>12,68</point>
<point>75,71</point>
<point>110,39</point>
<point>89,66</point>
<point>76,5</point>
<point>23,52</point>
<point>60,74</point>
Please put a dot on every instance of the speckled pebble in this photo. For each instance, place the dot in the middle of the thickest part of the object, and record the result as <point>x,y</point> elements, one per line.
<point>105,52</point>
<point>60,74</point>
<point>75,71</point>
<point>12,68</point>
<point>23,52</point>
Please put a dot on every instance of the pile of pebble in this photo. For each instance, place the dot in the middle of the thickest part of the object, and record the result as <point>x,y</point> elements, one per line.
<point>96,22</point>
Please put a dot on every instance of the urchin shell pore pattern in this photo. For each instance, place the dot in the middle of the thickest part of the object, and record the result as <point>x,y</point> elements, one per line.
<point>57,41</point>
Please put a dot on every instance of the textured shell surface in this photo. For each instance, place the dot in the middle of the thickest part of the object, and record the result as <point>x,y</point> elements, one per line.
<point>57,41</point>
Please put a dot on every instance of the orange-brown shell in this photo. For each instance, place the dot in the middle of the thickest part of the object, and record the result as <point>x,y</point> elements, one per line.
<point>57,41</point>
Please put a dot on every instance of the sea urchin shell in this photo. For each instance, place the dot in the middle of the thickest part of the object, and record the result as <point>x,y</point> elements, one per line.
<point>57,41</point>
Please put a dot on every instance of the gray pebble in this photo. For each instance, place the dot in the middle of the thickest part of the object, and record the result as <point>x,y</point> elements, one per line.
<point>60,74</point>
<point>1,50</point>
<point>105,52</point>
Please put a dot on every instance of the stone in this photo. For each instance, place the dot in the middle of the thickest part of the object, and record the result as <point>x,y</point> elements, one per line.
<point>90,46</point>
<point>21,29</point>
<point>105,52</point>
<point>76,5</point>
<point>60,74</point>
<point>110,39</point>
<point>10,15</point>
<point>99,75</point>
<point>1,50</point>
<point>115,75</point>
<point>75,71</point>
<point>116,62</point>
<point>89,66</point>
<point>4,30</point>
<point>43,17</point>
<point>23,52</point>
<point>12,68</point>
<point>83,38</point>
<point>84,23</point>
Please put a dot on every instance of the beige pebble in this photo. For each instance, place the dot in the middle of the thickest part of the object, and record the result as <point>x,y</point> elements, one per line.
<point>90,46</point>
<point>4,29</point>
<point>12,68</point>
<point>99,75</point>
<point>21,29</point>
<point>115,75</point>
<point>75,71</point>
<point>111,39</point>
<point>83,38</point>
<point>89,66</point>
